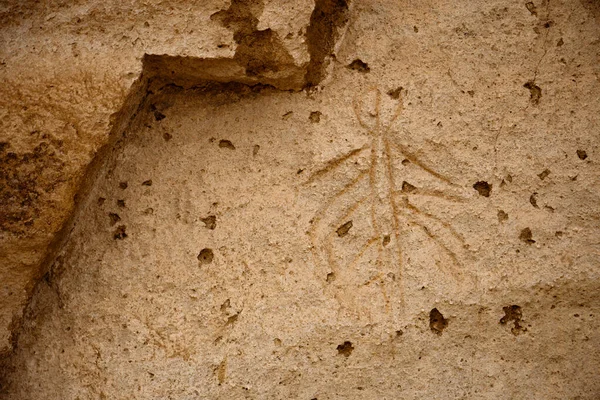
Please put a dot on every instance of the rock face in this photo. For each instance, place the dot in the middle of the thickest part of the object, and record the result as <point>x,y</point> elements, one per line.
<point>421,220</point>
<point>73,75</point>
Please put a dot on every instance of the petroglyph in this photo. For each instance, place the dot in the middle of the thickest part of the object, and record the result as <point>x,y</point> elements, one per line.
<point>376,192</point>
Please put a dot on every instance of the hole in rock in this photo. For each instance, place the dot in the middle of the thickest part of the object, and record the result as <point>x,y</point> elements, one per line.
<point>502,216</point>
<point>533,200</point>
<point>344,229</point>
<point>386,240</point>
<point>226,144</point>
<point>395,93</point>
<point>407,187</point>
<point>210,222</point>
<point>345,349</point>
<point>159,116</point>
<point>515,314</point>
<point>360,66</point>
<point>544,174</point>
<point>120,233</point>
<point>483,188</point>
<point>535,92</point>
<point>114,218</point>
<point>315,117</point>
<point>526,236</point>
<point>437,322</point>
<point>205,256</point>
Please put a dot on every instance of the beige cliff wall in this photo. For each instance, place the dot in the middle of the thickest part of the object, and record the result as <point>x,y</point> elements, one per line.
<point>73,74</point>
<point>267,208</point>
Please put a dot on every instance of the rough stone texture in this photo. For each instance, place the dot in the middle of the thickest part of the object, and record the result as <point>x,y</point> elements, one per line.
<point>422,225</point>
<point>71,74</point>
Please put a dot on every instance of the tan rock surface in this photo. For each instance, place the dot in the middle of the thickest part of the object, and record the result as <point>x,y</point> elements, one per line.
<point>422,225</point>
<point>71,75</point>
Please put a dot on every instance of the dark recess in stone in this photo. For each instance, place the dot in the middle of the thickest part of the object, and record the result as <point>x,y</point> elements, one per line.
<point>437,322</point>
<point>515,314</point>
<point>502,216</point>
<point>544,174</point>
<point>360,66</point>
<point>345,349</point>
<point>120,233</point>
<point>483,188</point>
<point>395,93</point>
<point>407,187</point>
<point>114,218</point>
<point>226,144</point>
<point>533,200</point>
<point>159,116</point>
<point>386,240</point>
<point>535,92</point>
<point>315,117</point>
<point>326,21</point>
<point>526,236</point>
<point>210,222</point>
<point>344,229</point>
<point>206,256</point>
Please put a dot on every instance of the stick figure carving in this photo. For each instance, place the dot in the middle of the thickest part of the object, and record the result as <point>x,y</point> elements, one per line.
<point>365,182</point>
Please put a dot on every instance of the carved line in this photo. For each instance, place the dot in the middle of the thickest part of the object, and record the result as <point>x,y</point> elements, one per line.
<point>405,208</point>
<point>333,164</point>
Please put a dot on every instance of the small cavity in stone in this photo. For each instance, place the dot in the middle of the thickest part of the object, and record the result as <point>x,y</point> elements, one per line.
<point>407,187</point>
<point>535,92</point>
<point>533,200</point>
<point>483,188</point>
<point>502,216</point>
<point>330,277</point>
<point>515,314</point>
<point>315,117</point>
<point>344,229</point>
<point>531,7</point>
<point>386,240</point>
<point>395,93</point>
<point>226,144</point>
<point>159,116</point>
<point>360,66</point>
<point>120,233</point>
<point>205,256</point>
<point>437,322</point>
<point>114,218</point>
<point>210,222</point>
<point>544,174</point>
<point>345,349</point>
<point>526,236</point>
